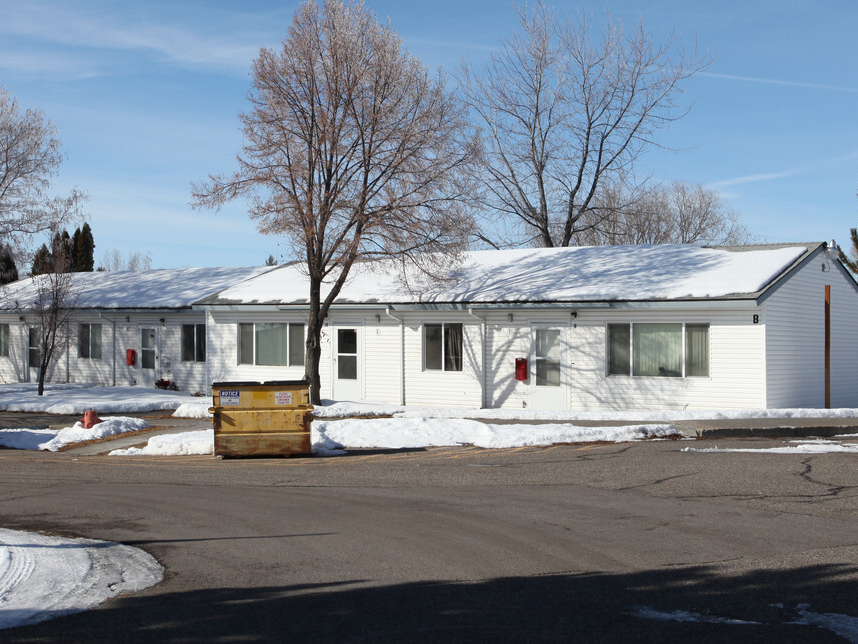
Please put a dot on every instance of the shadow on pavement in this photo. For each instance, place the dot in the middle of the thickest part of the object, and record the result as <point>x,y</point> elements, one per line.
<point>758,606</point>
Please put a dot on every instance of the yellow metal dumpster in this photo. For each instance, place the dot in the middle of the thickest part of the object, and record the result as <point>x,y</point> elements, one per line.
<point>261,419</point>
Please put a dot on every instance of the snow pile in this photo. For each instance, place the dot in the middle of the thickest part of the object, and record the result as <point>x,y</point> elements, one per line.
<point>25,438</point>
<point>183,444</point>
<point>53,440</point>
<point>44,577</point>
<point>79,434</point>
<point>398,433</point>
<point>816,446</point>
<point>330,438</point>
<point>196,408</point>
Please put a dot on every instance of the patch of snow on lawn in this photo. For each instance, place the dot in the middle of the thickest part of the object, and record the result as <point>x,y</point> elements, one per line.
<point>817,446</point>
<point>77,398</point>
<point>45,577</point>
<point>182,444</point>
<point>25,438</point>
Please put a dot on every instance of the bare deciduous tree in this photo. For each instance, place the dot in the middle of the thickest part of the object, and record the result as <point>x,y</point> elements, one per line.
<point>564,112</point>
<point>51,312</point>
<point>679,213</point>
<point>113,260</point>
<point>29,156</point>
<point>352,149</point>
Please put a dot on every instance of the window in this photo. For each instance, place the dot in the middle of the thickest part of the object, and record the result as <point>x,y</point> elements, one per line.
<point>272,344</point>
<point>4,340</point>
<point>671,350</point>
<point>35,353</point>
<point>193,343</point>
<point>442,344</point>
<point>89,341</point>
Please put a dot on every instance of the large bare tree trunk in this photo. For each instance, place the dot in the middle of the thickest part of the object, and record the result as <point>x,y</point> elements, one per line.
<point>352,150</point>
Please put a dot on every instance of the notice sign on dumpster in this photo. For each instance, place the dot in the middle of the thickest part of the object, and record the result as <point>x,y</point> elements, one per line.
<point>230,397</point>
<point>282,397</point>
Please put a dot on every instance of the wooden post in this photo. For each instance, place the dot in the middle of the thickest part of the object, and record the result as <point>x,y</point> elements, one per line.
<point>827,346</point>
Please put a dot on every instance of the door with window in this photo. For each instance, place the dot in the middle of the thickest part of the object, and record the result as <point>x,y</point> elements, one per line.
<point>148,359</point>
<point>347,365</point>
<point>547,373</point>
<point>34,353</point>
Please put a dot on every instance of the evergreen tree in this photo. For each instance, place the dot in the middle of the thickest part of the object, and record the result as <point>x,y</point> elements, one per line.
<point>8,270</point>
<point>61,251</point>
<point>43,261</point>
<point>270,261</point>
<point>83,249</point>
<point>851,264</point>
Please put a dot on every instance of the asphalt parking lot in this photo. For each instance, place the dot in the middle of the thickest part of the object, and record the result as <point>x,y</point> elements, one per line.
<point>588,542</point>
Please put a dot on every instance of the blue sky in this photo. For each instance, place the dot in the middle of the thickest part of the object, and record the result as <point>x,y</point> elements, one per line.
<point>145,97</point>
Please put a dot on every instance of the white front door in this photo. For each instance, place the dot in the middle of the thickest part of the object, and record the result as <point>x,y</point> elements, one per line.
<point>147,361</point>
<point>547,373</point>
<point>347,364</point>
<point>34,353</point>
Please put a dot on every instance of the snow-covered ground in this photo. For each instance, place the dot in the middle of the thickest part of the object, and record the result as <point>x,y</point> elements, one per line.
<point>43,577</point>
<point>93,572</point>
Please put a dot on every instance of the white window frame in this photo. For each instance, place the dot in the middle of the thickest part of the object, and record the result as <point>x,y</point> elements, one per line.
<point>196,336</point>
<point>85,346</point>
<point>444,334</point>
<point>684,357</point>
<point>289,348</point>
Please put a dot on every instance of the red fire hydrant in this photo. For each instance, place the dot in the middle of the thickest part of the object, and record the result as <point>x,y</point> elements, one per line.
<point>89,419</point>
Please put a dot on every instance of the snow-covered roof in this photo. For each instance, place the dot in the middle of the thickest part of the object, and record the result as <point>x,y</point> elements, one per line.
<point>169,288</point>
<point>545,275</point>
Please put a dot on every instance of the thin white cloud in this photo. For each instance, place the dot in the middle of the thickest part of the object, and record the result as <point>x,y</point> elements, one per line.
<point>753,178</point>
<point>784,174</point>
<point>772,81</point>
<point>221,40</point>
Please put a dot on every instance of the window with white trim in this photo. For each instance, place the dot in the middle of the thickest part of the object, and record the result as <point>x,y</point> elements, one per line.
<point>4,340</point>
<point>89,341</point>
<point>193,343</point>
<point>34,348</point>
<point>278,344</point>
<point>668,350</point>
<point>442,346</point>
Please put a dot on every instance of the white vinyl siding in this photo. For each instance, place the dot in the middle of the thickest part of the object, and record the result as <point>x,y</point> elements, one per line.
<point>437,387</point>
<point>736,364</point>
<point>794,318</point>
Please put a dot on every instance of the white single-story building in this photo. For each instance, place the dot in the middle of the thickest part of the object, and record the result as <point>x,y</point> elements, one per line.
<point>126,328</point>
<point>587,328</point>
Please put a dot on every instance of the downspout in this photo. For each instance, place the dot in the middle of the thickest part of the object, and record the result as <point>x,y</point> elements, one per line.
<point>401,354</point>
<point>483,374</point>
<point>68,351</point>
